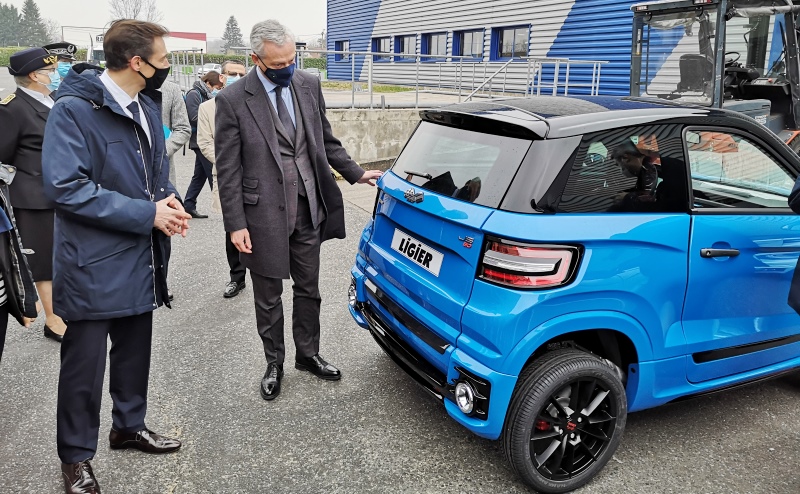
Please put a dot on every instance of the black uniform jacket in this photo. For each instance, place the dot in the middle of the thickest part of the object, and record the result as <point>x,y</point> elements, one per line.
<point>22,119</point>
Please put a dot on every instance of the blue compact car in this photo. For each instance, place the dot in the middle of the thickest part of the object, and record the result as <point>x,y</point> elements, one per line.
<point>545,265</point>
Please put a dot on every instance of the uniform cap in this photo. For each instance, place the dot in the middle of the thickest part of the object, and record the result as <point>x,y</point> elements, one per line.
<point>26,61</point>
<point>63,50</point>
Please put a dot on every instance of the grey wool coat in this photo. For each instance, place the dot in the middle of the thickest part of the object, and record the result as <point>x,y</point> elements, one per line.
<point>174,116</point>
<point>251,186</point>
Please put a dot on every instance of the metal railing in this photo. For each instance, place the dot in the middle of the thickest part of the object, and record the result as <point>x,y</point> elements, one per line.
<point>465,77</point>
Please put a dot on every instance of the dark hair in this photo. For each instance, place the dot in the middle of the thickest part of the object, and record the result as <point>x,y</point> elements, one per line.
<point>212,77</point>
<point>127,38</point>
<point>627,147</point>
<point>228,62</point>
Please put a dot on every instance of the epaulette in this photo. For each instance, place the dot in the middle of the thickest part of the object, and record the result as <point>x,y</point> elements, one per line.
<point>8,99</point>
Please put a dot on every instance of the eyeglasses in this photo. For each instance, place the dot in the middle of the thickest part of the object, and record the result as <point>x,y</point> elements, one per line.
<point>230,72</point>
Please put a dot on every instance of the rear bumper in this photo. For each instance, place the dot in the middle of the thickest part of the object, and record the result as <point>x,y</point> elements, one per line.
<point>494,389</point>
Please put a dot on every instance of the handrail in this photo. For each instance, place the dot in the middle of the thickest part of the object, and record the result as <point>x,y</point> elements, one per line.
<point>488,80</point>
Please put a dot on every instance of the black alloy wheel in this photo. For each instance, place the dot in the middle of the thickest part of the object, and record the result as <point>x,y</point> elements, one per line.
<point>565,421</point>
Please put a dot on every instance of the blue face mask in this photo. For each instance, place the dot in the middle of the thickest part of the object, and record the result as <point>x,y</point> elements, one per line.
<point>281,77</point>
<point>231,79</point>
<point>214,92</point>
<point>55,81</point>
<point>63,68</point>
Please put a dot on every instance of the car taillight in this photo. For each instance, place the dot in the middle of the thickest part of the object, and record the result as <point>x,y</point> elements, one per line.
<point>528,266</point>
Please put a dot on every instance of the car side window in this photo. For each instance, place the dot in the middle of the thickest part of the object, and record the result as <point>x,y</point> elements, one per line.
<point>733,171</point>
<point>628,170</point>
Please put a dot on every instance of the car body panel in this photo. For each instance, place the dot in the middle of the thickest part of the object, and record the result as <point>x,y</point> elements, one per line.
<point>640,277</point>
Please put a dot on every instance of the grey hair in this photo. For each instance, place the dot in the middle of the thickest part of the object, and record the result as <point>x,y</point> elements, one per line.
<point>23,80</point>
<point>270,30</point>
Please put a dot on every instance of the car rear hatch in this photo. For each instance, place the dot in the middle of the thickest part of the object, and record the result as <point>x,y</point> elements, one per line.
<point>426,241</point>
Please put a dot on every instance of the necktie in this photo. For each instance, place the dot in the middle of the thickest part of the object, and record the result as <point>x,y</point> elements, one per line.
<point>134,109</point>
<point>283,115</point>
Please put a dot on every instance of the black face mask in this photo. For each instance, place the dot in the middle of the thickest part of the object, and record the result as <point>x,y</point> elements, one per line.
<point>156,80</point>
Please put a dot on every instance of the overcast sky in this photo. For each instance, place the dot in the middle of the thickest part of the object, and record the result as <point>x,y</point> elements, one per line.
<point>304,17</point>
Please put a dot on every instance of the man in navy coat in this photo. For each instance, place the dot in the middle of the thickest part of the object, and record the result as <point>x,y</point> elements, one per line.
<point>106,169</point>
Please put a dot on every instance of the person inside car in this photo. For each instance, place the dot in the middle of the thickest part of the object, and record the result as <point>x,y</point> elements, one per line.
<point>634,163</point>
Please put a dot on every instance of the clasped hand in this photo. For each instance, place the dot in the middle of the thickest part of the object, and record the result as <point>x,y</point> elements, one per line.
<point>171,218</point>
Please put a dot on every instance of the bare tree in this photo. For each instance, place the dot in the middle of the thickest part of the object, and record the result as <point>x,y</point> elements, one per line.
<point>53,30</point>
<point>144,10</point>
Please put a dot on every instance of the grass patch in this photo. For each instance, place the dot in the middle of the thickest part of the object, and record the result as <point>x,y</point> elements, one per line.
<point>377,88</point>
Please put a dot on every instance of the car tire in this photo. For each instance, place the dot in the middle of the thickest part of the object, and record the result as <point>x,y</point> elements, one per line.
<point>575,404</point>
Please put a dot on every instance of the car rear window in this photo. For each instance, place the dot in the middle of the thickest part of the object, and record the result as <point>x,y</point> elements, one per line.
<point>466,165</point>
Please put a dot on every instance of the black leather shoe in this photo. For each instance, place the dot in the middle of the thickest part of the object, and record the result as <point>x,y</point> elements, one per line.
<point>170,296</point>
<point>195,214</point>
<point>317,366</point>
<point>49,333</point>
<point>232,289</point>
<point>271,383</point>
<point>145,440</point>
<point>79,478</point>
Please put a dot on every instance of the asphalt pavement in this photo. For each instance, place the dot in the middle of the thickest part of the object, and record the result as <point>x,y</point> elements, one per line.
<point>375,431</point>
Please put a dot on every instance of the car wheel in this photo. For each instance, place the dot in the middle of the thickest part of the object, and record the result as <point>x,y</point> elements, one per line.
<point>565,421</point>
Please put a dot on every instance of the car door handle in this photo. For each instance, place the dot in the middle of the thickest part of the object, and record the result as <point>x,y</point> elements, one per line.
<point>708,253</point>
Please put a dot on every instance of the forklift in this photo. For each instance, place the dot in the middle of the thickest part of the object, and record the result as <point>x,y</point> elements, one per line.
<point>741,55</point>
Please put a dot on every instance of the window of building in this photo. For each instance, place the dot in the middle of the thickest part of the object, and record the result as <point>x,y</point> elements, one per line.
<point>630,170</point>
<point>434,45</point>
<point>343,45</point>
<point>468,44</point>
<point>510,42</point>
<point>729,170</point>
<point>381,45</point>
<point>405,47</point>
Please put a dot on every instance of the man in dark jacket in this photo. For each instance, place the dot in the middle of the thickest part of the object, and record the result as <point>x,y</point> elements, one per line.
<point>106,168</point>
<point>274,151</point>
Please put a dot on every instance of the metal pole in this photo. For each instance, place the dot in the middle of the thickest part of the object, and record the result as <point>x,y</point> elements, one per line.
<point>353,81</point>
<point>460,78</point>
<point>416,103</point>
<point>371,78</point>
<point>201,57</point>
<point>556,69</point>
<point>528,81</point>
<point>566,82</point>
<point>597,89</point>
<point>539,79</point>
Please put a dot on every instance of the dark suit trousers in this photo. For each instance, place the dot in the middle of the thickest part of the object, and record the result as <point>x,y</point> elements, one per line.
<point>80,384</point>
<point>304,247</point>
<point>202,174</point>
<point>237,270</point>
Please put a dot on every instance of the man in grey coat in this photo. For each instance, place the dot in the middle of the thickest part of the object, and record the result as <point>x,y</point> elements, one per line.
<point>274,150</point>
<point>176,120</point>
<point>177,132</point>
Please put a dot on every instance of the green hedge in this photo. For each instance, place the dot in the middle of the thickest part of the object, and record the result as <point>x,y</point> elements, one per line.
<point>317,63</point>
<point>5,54</point>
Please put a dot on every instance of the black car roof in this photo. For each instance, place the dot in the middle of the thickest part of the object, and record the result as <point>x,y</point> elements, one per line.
<point>562,116</point>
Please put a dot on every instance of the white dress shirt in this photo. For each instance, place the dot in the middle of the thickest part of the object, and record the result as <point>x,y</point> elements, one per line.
<point>122,98</point>
<point>286,94</point>
<point>45,100</point>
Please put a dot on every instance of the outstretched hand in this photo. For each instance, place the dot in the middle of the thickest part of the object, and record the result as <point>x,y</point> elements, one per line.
<point>369,176</point>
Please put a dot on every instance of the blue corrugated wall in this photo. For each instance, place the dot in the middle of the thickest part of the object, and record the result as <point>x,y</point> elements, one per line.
<point>598,30</point>
<point>593,30</point>
<point>352,20</point>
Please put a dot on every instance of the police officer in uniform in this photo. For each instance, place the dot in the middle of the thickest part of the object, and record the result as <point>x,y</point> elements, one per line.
<point>66,56</point>
<point>23,115</point>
